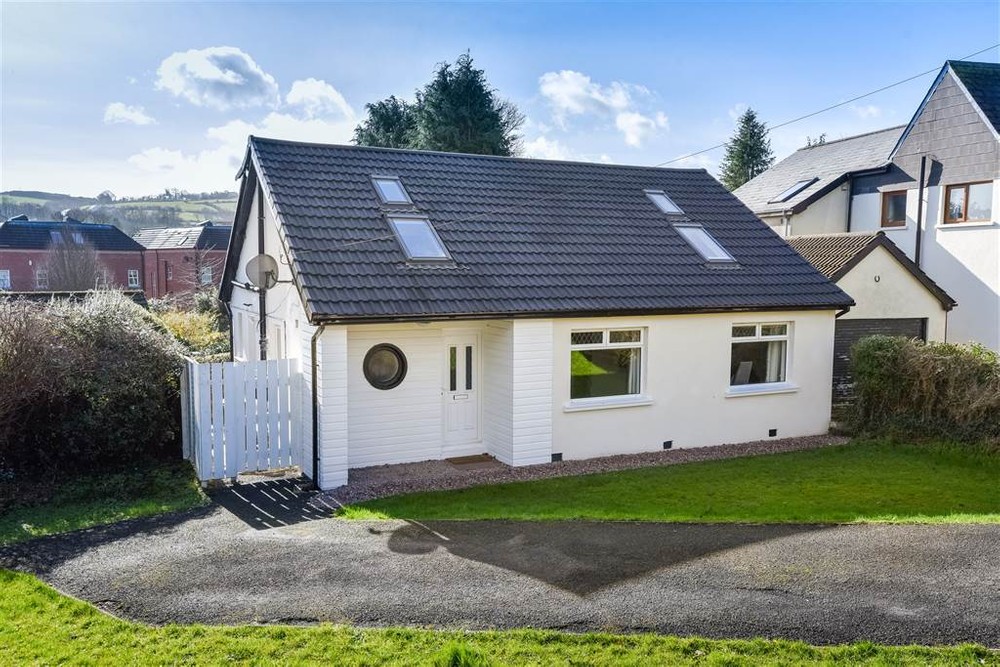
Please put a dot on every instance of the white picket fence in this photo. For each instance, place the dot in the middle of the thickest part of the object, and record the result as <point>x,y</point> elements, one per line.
<point>241,417</point>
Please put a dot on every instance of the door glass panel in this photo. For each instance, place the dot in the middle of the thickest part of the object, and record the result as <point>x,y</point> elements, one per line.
<point>453,367</point>
<point>468,368</point>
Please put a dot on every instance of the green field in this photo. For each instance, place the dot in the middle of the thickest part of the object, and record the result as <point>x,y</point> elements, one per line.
<point>860,482</point>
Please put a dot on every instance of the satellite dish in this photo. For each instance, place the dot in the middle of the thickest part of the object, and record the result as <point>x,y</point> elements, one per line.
<point>262,271</point>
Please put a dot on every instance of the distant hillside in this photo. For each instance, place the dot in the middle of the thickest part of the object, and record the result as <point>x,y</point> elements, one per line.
<point>171,209</point>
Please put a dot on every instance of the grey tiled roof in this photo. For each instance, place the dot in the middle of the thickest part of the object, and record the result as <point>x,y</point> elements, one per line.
<point>828,163</point>
<point>982,80</point>
<point>37,235</point>
<point>203,237</point>
<point>526,236</point>
<point>836,254</point>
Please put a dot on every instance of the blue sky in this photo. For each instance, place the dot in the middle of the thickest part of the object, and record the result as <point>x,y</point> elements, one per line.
<point>138,97</point>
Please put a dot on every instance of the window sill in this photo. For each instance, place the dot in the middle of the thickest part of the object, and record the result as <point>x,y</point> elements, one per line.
<point>761,389</point>
<point>894,228</point>
<point>963,225</point>
<point>585,404</point>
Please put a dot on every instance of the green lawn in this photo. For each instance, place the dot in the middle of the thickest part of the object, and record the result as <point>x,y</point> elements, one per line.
<point>863,481</point>
<point>40,626</point>
<point>99,499</point>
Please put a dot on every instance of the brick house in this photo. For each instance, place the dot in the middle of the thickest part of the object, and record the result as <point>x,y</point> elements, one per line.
<point>180,260</point>
<point>26,245</point>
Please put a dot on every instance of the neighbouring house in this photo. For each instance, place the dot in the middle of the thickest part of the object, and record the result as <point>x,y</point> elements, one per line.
<point>27,246</point>
<point>893,296</point>
<point>444,304</point>
<point>932,186</point>
<point>181,260</point>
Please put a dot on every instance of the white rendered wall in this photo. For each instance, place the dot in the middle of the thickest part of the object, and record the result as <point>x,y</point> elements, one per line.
<point>824,216</point>
<point>895,293</point>
<point>687,377</point>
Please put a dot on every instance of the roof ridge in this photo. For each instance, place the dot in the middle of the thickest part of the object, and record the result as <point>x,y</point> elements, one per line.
<point>853,136</point>
<point>514,158</point>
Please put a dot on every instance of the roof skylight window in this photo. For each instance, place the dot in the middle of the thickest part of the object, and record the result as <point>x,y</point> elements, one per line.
<point>794,190</point>
<point>704,243</point>
<point>418,238</point>
<point>390,190</point>
<point>663,202</point>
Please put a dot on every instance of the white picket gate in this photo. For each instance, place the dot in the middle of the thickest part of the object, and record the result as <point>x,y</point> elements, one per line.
<point>241,417</point>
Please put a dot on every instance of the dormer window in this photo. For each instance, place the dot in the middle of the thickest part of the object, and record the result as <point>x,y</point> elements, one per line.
<point>663,202</point>
<point>390,190</point>
<point>418,238</point>
<point>794,190</point>
<point>706,245</point>
<point>56,236</point>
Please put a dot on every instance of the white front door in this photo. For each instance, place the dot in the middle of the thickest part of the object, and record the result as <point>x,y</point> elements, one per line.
<point>461,395</point>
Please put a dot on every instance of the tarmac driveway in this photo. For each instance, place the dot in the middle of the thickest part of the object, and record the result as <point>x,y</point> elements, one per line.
<point>821,584</point>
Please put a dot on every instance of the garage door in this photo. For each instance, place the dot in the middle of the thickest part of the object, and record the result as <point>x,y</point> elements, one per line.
<point>848,332</point>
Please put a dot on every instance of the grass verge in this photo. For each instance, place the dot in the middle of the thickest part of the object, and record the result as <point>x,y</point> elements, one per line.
<point>40,626</point>
<point>99,499</point>
<point>859,482</point>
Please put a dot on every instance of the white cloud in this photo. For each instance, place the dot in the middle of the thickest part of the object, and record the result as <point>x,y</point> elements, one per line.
<point>637,127</point>
<point>866,110</point>
<point>738,110</point>
<point>221,77</point>
<point>571,93</point>
<point>119,112</point>
<point>318,98</point>
<point>546,149</point>
<point>214,168</point>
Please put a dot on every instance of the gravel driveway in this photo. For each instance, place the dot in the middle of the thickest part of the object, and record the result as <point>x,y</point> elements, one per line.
<point>821,584</point>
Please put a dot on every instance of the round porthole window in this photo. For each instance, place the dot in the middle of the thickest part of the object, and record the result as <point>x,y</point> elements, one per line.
<point>385,366</point>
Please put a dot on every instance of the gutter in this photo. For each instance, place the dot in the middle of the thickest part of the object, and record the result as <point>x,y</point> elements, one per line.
<point>262,294</point>
<point>229,314</point>
<point>920,212</point>
<point>314,371</point>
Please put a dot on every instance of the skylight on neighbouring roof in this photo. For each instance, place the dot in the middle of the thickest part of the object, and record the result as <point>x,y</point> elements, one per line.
<point>663,202</point>
<point>390,190</point>
<point>418,238</point>
<point>704,243</point>
<point>794,190</point>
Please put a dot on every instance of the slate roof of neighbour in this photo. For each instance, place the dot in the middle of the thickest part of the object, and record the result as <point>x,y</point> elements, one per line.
<point>834,255</point>
<point>205,236</point>
<point>526,237</point>
<point>829,163</point>
<point>37,235</point>
<point>982,80</point>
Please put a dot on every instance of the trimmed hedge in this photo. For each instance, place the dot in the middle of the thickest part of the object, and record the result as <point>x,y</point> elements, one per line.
<point>85,386</point>
<point>907,388</point>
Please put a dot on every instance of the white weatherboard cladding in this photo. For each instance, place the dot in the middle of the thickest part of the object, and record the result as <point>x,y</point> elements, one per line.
<point>532,364</point>
<point>687,378</point>
<point>333,418</point>
<point>498,399</point>
<point>883,288</point>
<point>403,423</point>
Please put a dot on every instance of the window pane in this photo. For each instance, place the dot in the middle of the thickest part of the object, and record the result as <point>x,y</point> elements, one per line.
<point>391,191</point>
<point>418,239</point>
<point>596,373</point>
<point>956,204</point>
<point>773,329</point>
<point>468,368</point>
<point>980,202</point>
<point>703,242</point>
<point>757,362</point>
<point>586,338</point>
<point>631,336</point>
<point>894,211</point>
<point>744,330</point>
<point>453,368</point>
<point>665,203</point>
<point>795,189</point>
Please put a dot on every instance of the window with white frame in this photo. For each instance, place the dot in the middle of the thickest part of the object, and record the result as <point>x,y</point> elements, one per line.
<point>5,279</point>
<point>759,353</point>
<point>41,278</point>
<point>133,277</point>
<point>606,363</point>
<point>205,275</point>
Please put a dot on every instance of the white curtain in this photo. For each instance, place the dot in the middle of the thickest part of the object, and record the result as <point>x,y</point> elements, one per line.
<point>635,364</point>
<point>776,361</point>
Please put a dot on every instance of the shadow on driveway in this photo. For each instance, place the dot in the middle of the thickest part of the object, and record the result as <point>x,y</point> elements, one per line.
<point>273,503</point>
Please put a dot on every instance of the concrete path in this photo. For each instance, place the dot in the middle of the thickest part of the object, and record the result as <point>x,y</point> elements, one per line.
<point>821,584</point>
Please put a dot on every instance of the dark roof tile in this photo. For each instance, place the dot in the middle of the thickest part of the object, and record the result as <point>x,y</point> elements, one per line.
<point>37,235</point>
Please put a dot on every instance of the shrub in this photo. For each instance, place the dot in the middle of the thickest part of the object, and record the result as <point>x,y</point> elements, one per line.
<point>86,386</point>
<point>908,388</point>
<point>198,331</point>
